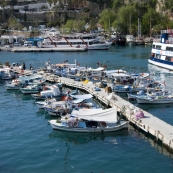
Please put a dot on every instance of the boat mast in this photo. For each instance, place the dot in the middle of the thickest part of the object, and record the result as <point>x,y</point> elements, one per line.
<point>139,28</point>
<point>139,23</point>
<point>150,26</point>
<point>130,23</point>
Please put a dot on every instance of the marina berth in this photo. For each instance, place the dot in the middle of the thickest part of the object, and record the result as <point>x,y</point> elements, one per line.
<point>162,52</point>
<point>158,129</point>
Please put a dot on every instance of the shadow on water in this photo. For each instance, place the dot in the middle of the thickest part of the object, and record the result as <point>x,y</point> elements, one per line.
<point>83,138</point>
<point>153,142</point>
<point>148,107</point>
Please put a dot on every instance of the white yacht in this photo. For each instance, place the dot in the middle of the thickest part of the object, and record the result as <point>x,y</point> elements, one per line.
<point>89,41</point>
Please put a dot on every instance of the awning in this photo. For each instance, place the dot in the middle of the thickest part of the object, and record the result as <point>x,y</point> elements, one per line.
<point>106,115</point>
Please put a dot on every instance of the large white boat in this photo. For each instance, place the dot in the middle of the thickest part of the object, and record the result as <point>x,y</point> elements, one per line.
<point>76,40</point>
<point>94,120</point>
<point>162,52</point>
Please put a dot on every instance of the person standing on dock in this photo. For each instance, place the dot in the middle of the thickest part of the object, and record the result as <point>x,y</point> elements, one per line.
<point>31,68</point>
<point>49,62</point>
<point>23,66</point>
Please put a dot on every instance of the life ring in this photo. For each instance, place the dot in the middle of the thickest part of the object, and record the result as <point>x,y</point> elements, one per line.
<point>16,81</point>
<point>75,124</point>
<point>70,123</point>
<point>127,89</point>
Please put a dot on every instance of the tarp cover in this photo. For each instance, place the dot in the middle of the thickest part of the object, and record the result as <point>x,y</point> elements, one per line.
<point>106,115</point>
<point>85,96</point>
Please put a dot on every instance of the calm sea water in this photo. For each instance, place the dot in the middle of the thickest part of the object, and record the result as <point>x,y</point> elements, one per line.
<point>28,143</point>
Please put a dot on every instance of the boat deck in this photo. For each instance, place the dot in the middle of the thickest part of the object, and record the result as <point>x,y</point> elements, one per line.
<point>150,124</point>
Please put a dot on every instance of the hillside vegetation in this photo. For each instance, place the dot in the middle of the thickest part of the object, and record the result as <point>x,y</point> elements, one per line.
<point>123,15</point>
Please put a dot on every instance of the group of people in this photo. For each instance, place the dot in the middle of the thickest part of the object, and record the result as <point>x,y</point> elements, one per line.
<point>23,67</point>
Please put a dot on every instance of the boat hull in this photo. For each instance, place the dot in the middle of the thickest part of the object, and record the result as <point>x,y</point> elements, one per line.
<point>25,91</point>
<point>155,101</point>
<point>161,63</point>
<point>58,126</point>
<point>39,97</point>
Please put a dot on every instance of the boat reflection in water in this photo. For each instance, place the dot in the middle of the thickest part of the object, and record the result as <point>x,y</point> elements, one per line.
<point>162,75</point>
<point>83,138</point>
<point>153,142</point>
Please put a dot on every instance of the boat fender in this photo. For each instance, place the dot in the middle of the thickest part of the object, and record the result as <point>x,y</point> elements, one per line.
<point>75,124</point>
<point>70,123</point>
<point>16,81</point>
<point>103,124</point>
<point>127,89</point>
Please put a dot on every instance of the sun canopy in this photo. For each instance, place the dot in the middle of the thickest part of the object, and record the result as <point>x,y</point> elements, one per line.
<point>85,96</point>
<point>77,101</point>
<point>107,115</point>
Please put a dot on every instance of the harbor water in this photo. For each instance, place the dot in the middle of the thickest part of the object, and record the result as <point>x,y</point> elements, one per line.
<point>28,143</point>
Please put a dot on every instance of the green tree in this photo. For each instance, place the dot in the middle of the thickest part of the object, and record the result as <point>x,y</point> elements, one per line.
<point>126,19</point>
<point>107,17</point>
<point>150,19</point>
<point>3,4</point>
<point>117,4</point>
<point>78,25</point>
<point>14,23</point>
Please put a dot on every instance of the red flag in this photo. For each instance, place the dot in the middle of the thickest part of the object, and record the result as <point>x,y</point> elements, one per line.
<point>104,66</point>
<point>164,83</point>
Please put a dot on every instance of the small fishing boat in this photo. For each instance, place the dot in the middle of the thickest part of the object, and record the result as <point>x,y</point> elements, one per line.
<point>49,92</point>
<point>123,88</point>
<point>157,98</point>
<point>31,89</point>
<point>90,121</point>
<point>21,82</point>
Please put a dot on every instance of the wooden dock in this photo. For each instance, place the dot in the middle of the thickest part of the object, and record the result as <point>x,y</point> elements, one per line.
<point>150,124</point>
<point>36,49</point>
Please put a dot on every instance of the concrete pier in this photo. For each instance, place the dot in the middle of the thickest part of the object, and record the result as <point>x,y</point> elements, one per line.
<point>150,124</point>
<point>54,49</point>
<point>36,49</point>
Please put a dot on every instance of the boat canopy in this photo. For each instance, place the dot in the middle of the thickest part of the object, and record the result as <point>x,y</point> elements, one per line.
<point>115,71</point>
<point>120,75</point>
<point>96,69</point>
<point>106,115</point>
<point>85,96</point>
<point>77,101</point>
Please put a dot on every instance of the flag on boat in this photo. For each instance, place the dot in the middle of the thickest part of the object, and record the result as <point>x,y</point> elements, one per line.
<point>164,83</point>
<point>104,66</point>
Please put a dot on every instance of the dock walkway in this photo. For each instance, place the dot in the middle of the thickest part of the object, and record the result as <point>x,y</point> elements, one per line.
<point>150,124</point>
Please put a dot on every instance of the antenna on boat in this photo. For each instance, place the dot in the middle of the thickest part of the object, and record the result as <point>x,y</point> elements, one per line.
<point>75,61</point>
